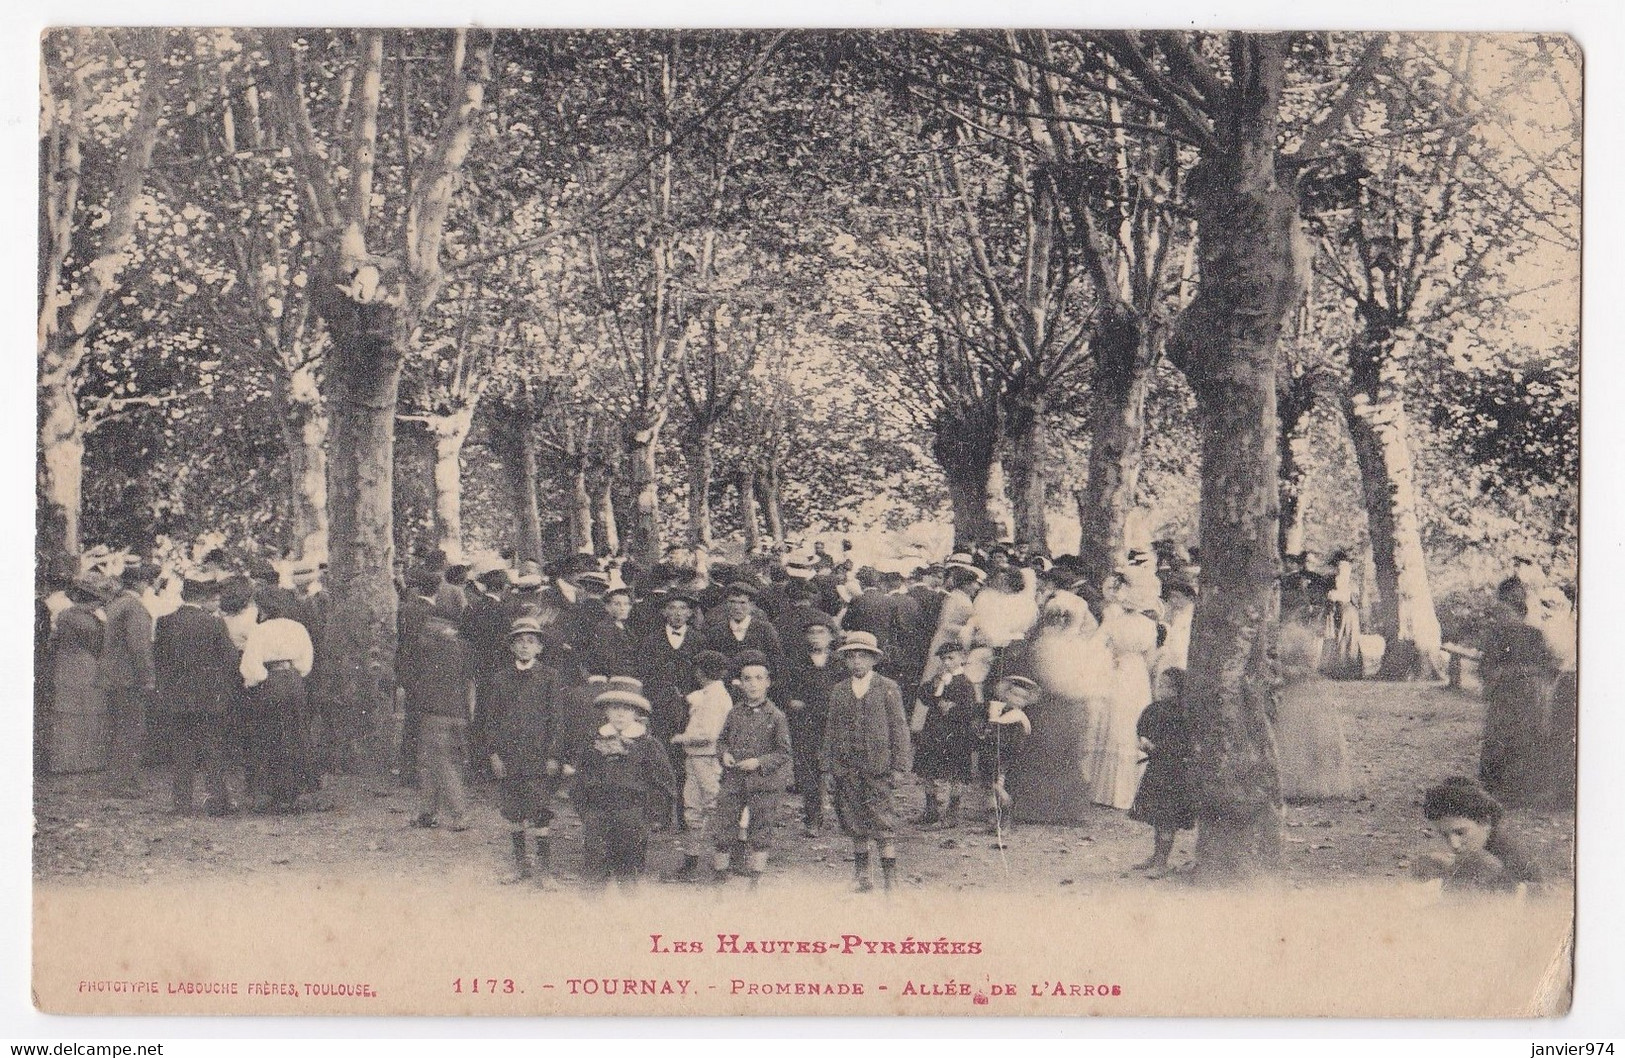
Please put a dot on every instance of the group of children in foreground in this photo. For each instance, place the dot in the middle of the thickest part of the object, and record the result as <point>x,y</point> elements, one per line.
<point>737,756</point>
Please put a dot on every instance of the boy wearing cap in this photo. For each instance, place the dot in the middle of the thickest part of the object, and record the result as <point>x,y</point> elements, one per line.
<point>947,719</point>
<point>754,750</point>
<point>865,751</point>
<point>518,706</point>
<point>439,675</point>
<point>623,787</point>
<point>708,710</point>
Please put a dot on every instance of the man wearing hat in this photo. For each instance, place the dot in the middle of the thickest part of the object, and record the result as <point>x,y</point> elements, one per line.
<point>195,663</point>
<point>866,752</point>
<point>438,674</point>
<point>417,602</point>
<point>484,623</point>
<point>808,677</point>
<point>125,671</point>
<point>744,628</point>
<point>964,579</point>
<point>754,749</point>
<point>623,787</point>
<point>664,661</point>
<point>517,717</point>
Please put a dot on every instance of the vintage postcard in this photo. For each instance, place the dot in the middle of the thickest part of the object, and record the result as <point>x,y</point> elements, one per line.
<point>806,522</point>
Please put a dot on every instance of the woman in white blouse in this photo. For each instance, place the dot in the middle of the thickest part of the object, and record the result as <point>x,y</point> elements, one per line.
<point>277,656</point>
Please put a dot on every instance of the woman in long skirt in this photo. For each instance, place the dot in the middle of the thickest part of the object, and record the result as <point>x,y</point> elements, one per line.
<point>276,659</point>
<point>78,729</point>
<point>1130,641</point>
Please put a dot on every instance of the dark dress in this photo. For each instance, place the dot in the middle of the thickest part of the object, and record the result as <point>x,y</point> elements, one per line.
<point>946,746</point>
<point>1520,672</point>
<point>1164,797</point>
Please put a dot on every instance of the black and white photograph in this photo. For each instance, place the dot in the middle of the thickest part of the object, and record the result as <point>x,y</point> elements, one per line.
<point>807,521</point>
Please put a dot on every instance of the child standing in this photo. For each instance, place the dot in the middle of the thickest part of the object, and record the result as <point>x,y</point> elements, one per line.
<point>754,750</point>
<point>519,725</point>
<point>866,751</point>
<point>1164,797</point>
<point>708,710</point>
<point>623,787</point>
<point>947,717</point>
<point>1006,728</point>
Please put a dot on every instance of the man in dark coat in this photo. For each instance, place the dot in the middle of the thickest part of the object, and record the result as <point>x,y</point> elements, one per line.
<point>417,603</point>
<point>665,664</point>
<point>870,611</point>
<point>195,663</point>
<point>125,671</point>
<point>612,649</point>
<point>809,674</point>
<point>743,628</point>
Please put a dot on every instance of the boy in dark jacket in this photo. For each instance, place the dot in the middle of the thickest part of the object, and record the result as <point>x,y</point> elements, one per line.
<point>519,725</point>
<point>754,749</point>
<point>623,787</point>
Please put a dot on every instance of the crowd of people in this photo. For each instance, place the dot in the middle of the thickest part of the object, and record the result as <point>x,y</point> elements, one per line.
<point>686,699</point>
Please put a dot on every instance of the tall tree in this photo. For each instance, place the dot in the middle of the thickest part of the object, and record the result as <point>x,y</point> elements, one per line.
<point>101,99</point>
<point>372,304</point>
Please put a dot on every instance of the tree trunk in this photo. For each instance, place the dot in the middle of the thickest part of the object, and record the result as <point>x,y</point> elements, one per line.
<point>644,543</point>
<point>1403,612</point>
<point>580,508</point>
<point>526,496</point>
<point>1118,387</point>
<point>413,488</point>
<point>362,384</point>
<point>768,487</point>
<point>304,434</point>
<point>697,450</point>
<point>1295,401</point>
<point>747,510</point>
<point>61,464</point>
<point>964,445</point>
<point>1226,342</point>
<point>1025,478</point>
<point>609,533</point>
<point>450,431</point>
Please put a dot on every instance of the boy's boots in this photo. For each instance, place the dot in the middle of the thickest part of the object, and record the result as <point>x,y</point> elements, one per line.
<point>544,853</point>
<point>520,859</point>
<point>758,867</point>
<point>888,872</point>
<point>860,870</point>
<point>719,869</point>
<point>951,818</point>
<point>933,809</point>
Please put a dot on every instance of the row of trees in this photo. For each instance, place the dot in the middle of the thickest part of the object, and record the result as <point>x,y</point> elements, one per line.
<point>792,268</point>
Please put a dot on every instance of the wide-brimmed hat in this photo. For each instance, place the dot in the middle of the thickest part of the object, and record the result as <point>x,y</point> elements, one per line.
<point>962,560</point>
<point>801,568</point>
<point>486,564</point>
<point>529,575</point>
<point>620,697</point>
<point>591,576</point>
<point>623,690</point>
<point>864,641</point>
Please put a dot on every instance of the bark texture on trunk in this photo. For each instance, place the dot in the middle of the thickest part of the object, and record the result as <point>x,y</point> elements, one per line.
<point>304,435</point>
<point>1027,443</point>
<point>768,487</point>
<point>698,453</point>
<point>362,383</point>
<point>964,443</point>
<point>1226,342</point>
<point>1403,612</point>
<point>580,508</point>
<point>527,497</point>
<point>61,464</point>
<point>747,509</point>
<point>643,539</point>
<point>1118,387</point>
<point>609,530</point>
<point>450,432</point>
<point>1295,401</point>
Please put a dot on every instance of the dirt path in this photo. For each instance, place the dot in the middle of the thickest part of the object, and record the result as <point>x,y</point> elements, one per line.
<point>1402,737</point>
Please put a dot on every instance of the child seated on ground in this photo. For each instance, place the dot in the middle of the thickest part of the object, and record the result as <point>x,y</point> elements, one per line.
<point>1481,854</point>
